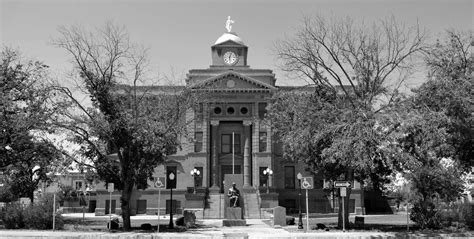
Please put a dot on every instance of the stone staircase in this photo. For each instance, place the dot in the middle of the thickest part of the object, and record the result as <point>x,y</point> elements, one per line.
<point>251,205</point>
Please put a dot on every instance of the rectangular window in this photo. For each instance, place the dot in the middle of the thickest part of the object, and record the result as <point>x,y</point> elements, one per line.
<point>176,205</point>
<point>237,143</point>
<point>198,142</point>
<point>171,183</point>
<point>226,140</point>
<point>263,177</point>
<point>226,143</point>
<point>262,110</point>
<point>198,178</point>
<point>262,142</point>
<point>107,207</point>
<point>78,185</point>
<point>289,177</point>
<point>198,111</point>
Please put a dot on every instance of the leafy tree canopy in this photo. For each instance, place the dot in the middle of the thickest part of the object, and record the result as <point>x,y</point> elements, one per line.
<point>130,129</point>
<point>27,108</point>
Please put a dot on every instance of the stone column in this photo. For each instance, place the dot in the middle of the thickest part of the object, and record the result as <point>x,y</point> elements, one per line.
<point>247,172</point>
<point>255,147</point>
<point>215,169</point>
<point>205,130</point>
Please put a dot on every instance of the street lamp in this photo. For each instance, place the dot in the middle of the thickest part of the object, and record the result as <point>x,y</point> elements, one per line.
<point>268,172</point>
<point>195,173</point>
<point>300,220</point>
<point>171,176</point>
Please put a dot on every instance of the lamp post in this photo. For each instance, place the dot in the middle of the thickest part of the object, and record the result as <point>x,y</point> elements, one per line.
<point>171,176</point>
<point>268,172</point>
<point>195,173</point>
<point>300,220</point>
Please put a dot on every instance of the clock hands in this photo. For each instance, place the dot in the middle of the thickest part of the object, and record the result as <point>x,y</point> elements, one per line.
<point>230,58</point>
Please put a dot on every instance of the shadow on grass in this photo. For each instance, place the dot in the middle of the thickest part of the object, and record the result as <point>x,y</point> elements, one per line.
<point>74,224</point>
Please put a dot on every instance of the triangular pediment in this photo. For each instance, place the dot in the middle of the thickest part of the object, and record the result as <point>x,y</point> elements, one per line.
<point>232,81</point>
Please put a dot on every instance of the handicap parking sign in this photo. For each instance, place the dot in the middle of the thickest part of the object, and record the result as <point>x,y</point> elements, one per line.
<point>307,183</point>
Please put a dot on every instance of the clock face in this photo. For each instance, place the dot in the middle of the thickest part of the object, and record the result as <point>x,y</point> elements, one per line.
<point>230,58</point>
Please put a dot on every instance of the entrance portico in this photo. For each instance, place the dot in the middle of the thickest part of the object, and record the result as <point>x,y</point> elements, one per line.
<point>231,147</point>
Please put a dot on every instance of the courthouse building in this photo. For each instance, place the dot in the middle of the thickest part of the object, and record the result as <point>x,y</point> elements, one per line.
<point>232,143</point>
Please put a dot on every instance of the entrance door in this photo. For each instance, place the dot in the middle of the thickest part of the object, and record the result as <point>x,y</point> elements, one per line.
<point>92,206</point>
<point>227,169</point>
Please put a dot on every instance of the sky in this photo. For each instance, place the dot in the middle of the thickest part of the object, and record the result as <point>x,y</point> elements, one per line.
<point>180,33</point>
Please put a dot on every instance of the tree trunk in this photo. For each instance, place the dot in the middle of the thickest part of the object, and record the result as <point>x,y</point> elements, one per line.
<point>31,195</point>
<point>348,177</point>
<point>125,205</point>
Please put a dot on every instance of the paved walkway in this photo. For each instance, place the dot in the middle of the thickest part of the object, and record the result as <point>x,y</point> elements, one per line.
<point>213,229</point>
<point>255,228</point>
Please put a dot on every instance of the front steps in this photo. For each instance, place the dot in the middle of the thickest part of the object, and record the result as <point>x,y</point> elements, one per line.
<point>217,203</point>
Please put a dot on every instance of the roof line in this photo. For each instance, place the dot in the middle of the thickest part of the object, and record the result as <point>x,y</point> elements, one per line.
<point>246,78</point>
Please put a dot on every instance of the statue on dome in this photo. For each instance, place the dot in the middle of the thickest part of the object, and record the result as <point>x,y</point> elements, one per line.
<point>228,24</point>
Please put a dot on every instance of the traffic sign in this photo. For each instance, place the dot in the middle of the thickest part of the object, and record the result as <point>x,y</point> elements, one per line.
<point>342,184</point>
<point>160,183</point>
<point>110,187</point>
<point>307,183</point>
<point>343,191</point>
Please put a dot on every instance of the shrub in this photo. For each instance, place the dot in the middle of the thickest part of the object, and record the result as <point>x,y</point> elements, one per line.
<point>458,215</point>
<point>12,217</point>
<point>36,216</point>
<point>180,221</point>
<point>6,195</point>
<point>425,215</point>
<point>40,215</point>
<point>467,214</point>
<point>290,220</point>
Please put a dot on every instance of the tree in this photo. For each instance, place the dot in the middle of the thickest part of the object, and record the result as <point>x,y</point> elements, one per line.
<point>450,90</point>
<point>27,106</point>
<point>341,126</point>
<point>364,63</point>
<point>441,135</point>
<point>133,122</point>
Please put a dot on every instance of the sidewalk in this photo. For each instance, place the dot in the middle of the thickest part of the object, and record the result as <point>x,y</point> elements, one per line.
<point>255,228</point>
<point>213,229</point>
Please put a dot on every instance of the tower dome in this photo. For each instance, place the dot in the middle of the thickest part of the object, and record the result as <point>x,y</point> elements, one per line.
<point>229,36</point>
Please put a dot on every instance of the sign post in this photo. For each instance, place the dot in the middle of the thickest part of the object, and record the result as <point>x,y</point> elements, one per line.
<point>343,185</point>
<point>82,202</point>
<point>343,195</point>
<point>408,217</point>
<point>54,204</point>
<point>307,183</point>
<point>160,183</point>
<point>110,189</point>
<point>54,210</point>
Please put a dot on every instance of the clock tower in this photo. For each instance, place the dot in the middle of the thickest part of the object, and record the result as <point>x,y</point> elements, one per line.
<point>229,51</point>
